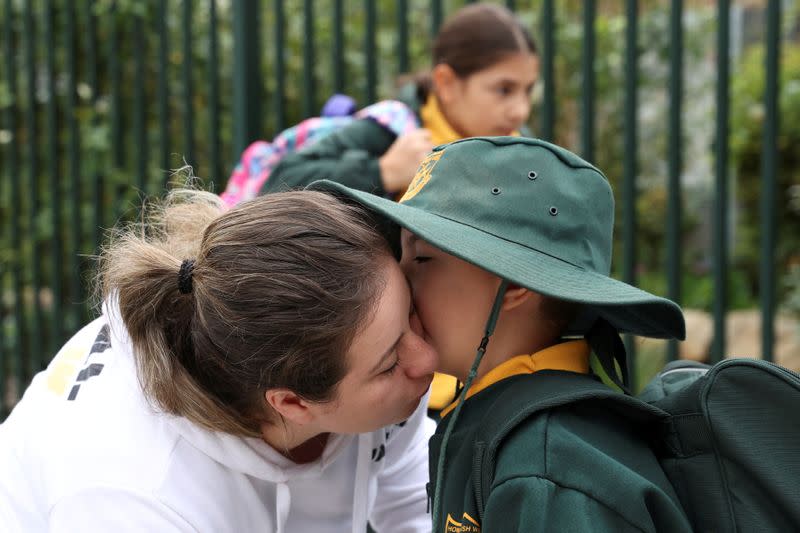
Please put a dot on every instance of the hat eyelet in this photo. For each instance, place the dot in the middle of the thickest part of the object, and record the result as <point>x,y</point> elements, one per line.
<point>553,210</point>
<point>495,190</point>
<point>532,175</point>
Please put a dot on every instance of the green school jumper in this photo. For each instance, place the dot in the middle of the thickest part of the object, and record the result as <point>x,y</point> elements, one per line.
<point>571,469</point>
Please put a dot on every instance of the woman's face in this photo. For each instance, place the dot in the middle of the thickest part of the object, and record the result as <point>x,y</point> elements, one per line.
<point>390,366</point>
<point>453,299</point>
<point>493,101</point>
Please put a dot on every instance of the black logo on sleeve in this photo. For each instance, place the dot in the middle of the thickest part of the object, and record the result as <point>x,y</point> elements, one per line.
<point>100,345</point>
<point>379,452</point>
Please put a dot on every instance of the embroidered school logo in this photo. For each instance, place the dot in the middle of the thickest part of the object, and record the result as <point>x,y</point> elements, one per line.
<point>423,175</point>
<point>467,525</point>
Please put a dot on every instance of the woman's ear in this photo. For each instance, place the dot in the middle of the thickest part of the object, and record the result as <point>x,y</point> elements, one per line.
<point>289,405</point>
<point>445,82</point>
<point>516,296</point>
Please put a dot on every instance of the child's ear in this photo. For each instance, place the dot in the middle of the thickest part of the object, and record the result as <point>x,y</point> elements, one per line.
<point>516,296</point>
<point>445,81</point>
<point>289,405</point>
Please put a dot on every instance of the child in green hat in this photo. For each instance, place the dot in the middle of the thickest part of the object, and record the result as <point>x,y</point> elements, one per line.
<point>507,245</point>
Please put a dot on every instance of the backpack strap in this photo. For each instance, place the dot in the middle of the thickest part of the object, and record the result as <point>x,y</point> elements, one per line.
<point>529,395</point>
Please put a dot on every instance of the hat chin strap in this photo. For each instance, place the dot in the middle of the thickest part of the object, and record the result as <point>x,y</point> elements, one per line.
<point>605,342</point>
<point>490,325</point>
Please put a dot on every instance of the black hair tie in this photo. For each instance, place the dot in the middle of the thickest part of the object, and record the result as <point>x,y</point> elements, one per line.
<point>185,276</point>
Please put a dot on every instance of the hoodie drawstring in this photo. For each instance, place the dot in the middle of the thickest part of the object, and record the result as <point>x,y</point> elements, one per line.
<point>283,501</point>
<point>360,492</point>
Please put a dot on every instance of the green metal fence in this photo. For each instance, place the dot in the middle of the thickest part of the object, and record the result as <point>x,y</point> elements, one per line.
<point>98,99</point>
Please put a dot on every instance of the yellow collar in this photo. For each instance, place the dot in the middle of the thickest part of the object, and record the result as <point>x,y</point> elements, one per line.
<point>434,121</point>
<point>571,356</point>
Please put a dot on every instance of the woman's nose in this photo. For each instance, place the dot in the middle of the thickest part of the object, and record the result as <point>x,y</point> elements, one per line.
<point>423,358</point>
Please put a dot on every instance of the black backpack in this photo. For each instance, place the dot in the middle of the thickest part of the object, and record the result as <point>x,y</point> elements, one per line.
<point>727,437</point>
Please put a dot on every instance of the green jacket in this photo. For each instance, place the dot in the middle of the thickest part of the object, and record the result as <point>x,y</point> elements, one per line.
<point>348,156</point>
<point>575,468</point>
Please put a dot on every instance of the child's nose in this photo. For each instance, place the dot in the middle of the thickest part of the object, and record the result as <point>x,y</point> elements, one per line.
<point>521,108</point>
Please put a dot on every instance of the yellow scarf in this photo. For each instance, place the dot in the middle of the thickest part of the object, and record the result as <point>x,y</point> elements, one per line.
<point>434,121</point>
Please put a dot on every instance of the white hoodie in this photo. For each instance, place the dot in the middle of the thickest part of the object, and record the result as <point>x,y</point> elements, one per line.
<point>84,451</point>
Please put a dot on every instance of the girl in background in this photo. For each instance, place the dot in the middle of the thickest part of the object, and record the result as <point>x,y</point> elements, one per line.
<point>485,65</point>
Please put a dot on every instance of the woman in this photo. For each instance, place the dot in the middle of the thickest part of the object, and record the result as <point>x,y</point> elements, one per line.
<point>255,369</point>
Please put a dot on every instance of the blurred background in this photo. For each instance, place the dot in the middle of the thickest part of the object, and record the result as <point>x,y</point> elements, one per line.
<point>692,109</point>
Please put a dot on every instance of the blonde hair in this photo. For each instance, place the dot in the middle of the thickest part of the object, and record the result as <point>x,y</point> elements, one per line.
<point>280,286</point>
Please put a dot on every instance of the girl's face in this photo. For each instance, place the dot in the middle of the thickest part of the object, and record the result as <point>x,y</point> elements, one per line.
<point>390,366</point>
<point>453,299</point>
<point>493,101</point>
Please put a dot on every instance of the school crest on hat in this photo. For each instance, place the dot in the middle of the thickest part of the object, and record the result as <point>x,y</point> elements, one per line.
<point>422,176</point>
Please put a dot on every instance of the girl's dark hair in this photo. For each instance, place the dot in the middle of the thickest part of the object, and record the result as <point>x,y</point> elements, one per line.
<point>476,37</point>
<point>280,286</point>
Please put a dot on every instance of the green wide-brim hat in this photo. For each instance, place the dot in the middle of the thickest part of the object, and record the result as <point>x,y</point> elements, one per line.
<point>532,213</point>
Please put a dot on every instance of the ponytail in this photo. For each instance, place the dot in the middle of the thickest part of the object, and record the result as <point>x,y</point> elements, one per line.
<point>141,270</point>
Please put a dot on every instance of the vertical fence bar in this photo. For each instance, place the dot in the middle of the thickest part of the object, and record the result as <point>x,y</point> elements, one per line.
<point>402,36</point>
<point>36,333</point>
<point>16,374</point>
<point>511,4</point>
<point>720,226</point>
<point>247,73</point>
<point>337,52</point>
<point>369,51</point>
<point>548,112</point>
<point>630,166</point>
<point>675,162</point>
<point>139,135</point>
<point>163,90</point>
<point>215,175</point>
<point>98,185</point>
<point>73,174</point>
<point>55,314</point>
<point>3,358</point>
<point>280,67</point>
<point>587,91</point>
<point>436,16</point>
<point>116,98</point>
<point>308,59</point>
<point>769,163</point>
<point>10,166</point>
<point>114,181</point>
<point>188,88</point>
